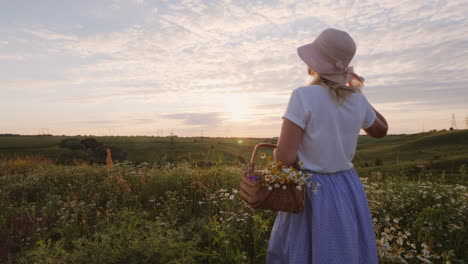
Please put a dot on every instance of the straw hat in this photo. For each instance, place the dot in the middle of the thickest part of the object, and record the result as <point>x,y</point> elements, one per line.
<point>330,54</point>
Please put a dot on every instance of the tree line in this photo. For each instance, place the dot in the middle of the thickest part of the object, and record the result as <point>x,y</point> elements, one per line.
<point>89,150</point>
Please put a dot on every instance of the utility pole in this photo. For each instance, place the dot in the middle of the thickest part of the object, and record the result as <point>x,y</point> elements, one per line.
<point>172,136</point>
<point>454,122</point>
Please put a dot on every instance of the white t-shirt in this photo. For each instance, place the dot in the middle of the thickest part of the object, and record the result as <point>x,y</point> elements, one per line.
<point>331,130</point>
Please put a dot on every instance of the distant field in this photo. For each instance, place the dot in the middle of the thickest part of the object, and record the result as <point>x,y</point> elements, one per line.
<point>143,149</point>
<point>428,154</point>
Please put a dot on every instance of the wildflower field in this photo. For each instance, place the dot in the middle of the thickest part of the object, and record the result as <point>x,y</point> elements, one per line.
<point>165,213</point>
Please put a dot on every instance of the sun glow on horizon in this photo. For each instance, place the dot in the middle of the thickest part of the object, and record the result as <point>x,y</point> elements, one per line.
<point>237,108</point>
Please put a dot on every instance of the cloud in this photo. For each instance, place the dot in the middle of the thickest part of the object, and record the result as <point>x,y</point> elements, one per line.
<point>408,51</point>
<point>400,105</point>
<point>145,120</point>
<point>49,35</point>
<point>11,57</point>
<point>95,122</point>
<point>141,2</point>
<point>191,60</point>
<point>197,119</point>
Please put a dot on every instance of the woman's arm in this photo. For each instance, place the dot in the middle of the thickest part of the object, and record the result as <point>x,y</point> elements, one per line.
<point>379,128</point>
<point>288,143</point>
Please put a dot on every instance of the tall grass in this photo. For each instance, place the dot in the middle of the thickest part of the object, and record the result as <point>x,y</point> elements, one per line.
<point>185,214</point>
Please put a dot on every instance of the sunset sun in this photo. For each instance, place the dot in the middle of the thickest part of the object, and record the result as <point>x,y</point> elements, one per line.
<point>236,108</point>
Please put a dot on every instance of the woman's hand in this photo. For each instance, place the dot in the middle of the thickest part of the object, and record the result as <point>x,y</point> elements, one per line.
<point>288,143</point>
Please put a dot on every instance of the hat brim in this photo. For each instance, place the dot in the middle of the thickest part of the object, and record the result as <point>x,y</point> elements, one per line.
<point>314,59</point>
<point>311,56</point>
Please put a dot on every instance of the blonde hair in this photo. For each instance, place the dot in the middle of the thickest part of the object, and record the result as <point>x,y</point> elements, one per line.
<point>338,91</point>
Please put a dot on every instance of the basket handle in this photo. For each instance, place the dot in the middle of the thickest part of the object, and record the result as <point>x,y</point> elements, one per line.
<point>254,153</point>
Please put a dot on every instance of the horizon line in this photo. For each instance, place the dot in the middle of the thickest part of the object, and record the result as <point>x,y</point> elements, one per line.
<point>168,136</point>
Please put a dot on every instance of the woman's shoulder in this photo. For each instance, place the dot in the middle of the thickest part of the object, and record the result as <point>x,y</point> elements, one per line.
<point>310,90</point>
<point>359,96</point>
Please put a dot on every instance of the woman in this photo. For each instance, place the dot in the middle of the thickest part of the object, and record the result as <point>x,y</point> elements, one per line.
<point>320,127</point>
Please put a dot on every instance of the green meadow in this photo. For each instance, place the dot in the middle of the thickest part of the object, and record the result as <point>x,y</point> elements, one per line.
<point>176,200</point>
<point>186,214</point>
<point>427,155</point>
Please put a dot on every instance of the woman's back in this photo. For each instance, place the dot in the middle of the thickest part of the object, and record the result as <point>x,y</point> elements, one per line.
<point>330,129</point>
<point>320,127</point>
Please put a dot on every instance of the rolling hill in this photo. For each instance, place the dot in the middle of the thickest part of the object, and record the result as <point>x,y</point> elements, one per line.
<point>439,151</point>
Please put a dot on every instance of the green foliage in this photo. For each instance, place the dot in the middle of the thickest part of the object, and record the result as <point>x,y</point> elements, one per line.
<point>463,171</point>
<point>419,221</point>
<point>182,213</point>
<point>438,151</point>
<point>135,239</point>
<point>71,143</point>
<point>378,162</point>
<point>88,150</point>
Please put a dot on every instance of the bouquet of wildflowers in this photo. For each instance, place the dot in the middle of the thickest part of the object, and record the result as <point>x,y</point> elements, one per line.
<point>273,186</point>
<point>275,175</point>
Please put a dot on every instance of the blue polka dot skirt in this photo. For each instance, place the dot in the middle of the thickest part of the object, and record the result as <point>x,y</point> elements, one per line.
<point>335,226</point>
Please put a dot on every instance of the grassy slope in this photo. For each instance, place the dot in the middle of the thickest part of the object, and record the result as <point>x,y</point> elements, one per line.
<point>416,148</point>
<point>449,148</point>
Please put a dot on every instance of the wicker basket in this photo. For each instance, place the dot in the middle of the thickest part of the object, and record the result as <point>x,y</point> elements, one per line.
<point>256,194</point>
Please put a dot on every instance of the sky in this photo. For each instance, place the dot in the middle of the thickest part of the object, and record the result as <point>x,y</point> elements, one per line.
<point>219,68</point>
